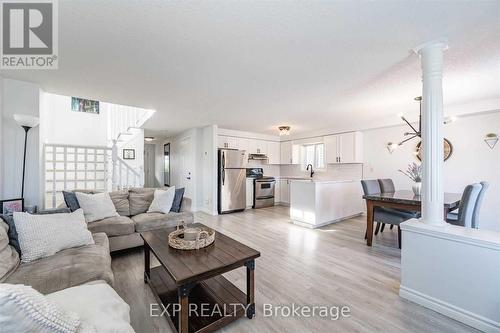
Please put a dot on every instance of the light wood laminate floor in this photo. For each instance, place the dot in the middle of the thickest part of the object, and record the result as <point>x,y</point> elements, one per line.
<point>328,266</point>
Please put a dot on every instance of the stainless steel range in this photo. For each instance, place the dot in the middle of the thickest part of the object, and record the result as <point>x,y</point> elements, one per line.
<point>263,188</point>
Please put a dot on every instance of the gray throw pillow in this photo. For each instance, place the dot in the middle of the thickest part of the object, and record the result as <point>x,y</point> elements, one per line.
<point>12,233</point>
<point>71,200</point>
<point>176,205</point>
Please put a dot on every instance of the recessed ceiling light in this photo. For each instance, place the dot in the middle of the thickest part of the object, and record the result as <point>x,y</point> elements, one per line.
<point>148,138</point>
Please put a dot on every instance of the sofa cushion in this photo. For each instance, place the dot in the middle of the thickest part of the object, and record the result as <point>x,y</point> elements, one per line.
<point>140,199</point>
<point>151,221</point>
<point>96,304</point>
<point>120,200</point>
<point>67,268</point>
<point>113,226</point>
<point>9,258</point>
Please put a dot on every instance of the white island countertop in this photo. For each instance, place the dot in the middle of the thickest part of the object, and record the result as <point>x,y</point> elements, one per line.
<point>324,181</point>
<point>315,203</point>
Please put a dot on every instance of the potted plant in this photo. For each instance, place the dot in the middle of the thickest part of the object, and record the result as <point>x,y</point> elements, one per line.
<point>414,172</point>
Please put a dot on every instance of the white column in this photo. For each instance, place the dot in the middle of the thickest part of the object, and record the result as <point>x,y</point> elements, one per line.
<point>431,55</point>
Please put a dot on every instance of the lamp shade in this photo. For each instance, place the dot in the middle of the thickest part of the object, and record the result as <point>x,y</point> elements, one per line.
<point>26,121</point>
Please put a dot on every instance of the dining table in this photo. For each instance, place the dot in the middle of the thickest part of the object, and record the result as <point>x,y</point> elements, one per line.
<point>405,200</point>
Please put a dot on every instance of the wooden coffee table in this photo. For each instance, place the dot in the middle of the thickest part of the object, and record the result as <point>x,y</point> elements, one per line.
<point>188,279</point>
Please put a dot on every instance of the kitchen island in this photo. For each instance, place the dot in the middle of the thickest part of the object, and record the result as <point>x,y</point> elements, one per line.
<point>315,203</point>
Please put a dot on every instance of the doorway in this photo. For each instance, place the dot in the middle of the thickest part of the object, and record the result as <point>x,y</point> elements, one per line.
<point>149,166</point>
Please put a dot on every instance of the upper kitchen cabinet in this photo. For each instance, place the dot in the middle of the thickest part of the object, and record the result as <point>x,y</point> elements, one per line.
<point>290,153</point>
<point>273,152</point>
<point>243,144</point>
<point>227,142</point>
<point>257,147</point>
<point>344,148</point>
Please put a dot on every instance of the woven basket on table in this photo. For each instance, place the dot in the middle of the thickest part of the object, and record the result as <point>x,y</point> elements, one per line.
<point>205,238</point>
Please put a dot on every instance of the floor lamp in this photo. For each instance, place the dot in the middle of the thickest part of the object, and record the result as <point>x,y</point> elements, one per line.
<point>26,122</point>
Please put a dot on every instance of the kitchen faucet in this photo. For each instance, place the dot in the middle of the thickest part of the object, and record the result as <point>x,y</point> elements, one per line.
<point>312,171</point>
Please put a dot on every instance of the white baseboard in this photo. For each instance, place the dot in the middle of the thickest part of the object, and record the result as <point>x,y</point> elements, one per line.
<point>449,310</point>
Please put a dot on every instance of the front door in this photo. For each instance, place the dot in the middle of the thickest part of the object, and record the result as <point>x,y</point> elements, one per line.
<point>185,158</point>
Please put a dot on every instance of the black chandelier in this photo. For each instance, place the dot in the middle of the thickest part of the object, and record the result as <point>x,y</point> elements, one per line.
<point>415,133</point>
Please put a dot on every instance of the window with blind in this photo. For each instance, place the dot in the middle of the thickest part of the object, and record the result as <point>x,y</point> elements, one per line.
<point>314,154</point>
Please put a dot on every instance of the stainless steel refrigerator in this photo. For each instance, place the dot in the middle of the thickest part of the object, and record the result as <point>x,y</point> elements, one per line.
<point>232,180</point>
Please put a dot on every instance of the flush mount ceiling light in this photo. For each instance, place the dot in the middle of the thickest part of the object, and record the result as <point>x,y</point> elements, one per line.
<point>415,133</point>
<point>284,130</point>
<point>491,140</point>
<point>148,138</point>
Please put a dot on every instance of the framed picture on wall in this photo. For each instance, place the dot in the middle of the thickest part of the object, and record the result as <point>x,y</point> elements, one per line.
<point>129,154</point>
<point>84,105</point>
<point>11,206</point>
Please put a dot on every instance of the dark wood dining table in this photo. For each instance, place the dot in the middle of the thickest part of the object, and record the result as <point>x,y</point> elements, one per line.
<point>402,200</point>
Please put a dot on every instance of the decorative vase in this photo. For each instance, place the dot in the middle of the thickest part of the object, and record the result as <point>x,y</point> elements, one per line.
<point>417,188</point>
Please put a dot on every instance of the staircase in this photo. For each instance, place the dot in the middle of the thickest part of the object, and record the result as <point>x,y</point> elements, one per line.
<point>96,168</point>
<point>124,125</point>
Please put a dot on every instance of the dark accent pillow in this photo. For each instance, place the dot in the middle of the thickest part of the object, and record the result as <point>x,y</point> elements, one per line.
<point>71,200</point>
<point>12,233</point>
<point>176,205</point>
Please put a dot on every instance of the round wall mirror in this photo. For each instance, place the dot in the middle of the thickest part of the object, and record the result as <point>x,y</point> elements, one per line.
<point>448,149</point>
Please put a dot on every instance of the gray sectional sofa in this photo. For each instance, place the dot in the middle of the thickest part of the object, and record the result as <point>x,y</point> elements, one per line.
<point>132,205</point>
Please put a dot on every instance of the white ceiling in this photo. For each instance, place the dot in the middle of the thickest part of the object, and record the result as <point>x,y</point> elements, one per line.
<point>252,65</point>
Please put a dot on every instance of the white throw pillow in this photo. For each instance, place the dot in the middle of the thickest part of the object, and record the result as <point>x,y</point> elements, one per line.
<point>96,206</point>
<point>163,200</point>
<point>44,235</point>
<point>25,310</point>
<point>96,304</point>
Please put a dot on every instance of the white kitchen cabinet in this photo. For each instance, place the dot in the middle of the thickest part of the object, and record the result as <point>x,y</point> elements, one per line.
<point>249,193</point>
<point>285,191</point>
<point>277,191</point>
<point>243,144</point>
<point>344,148</point>
<point>289,153</point>
<point>257,146</point>
<point>273,152</point>
<point>227,142</point>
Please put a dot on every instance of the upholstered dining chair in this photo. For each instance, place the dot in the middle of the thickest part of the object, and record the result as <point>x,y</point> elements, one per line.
<point>469,208</point>
<point>387,186</point>
<point>384,215</point>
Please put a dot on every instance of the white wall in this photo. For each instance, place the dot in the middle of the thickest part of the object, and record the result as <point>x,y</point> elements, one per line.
<point>20,98</point>
<point>63,126</point>
<point>200,160</point>
<point>454,271</point>
<point>472,160</point>
<point>208,174</point>
<point>135,142</point>
<point>183,165</point>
